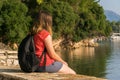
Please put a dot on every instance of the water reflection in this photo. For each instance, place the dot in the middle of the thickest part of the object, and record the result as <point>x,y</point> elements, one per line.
<point>83,52</point>
<point>113,63</point>
<point>88,60</point>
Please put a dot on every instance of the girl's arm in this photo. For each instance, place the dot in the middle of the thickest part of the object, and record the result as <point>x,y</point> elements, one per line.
<point>51,51</point>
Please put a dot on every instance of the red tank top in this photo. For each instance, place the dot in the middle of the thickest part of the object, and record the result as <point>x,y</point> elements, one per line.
<point>39,47</point>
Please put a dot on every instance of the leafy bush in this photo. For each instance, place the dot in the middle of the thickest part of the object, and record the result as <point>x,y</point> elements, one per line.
<point>14,22</point>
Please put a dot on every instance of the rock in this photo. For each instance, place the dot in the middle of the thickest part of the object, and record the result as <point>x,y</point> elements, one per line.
<point>15,62</point>
<point>4,47</point>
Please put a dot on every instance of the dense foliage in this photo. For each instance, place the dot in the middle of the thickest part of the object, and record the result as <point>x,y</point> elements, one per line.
<point>72,19</point>
<point>92,20</point>
<point>13,20</point>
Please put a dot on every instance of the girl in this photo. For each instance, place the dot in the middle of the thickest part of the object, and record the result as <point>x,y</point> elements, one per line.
<point>42,30</point>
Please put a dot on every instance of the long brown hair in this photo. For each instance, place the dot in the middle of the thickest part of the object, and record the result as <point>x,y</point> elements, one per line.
<point>42,21</point>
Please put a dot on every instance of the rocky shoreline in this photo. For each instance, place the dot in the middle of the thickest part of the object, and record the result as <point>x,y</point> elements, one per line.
<point>63,44</point>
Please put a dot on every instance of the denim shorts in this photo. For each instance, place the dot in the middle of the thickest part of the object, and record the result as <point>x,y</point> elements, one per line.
<point>54,67</point>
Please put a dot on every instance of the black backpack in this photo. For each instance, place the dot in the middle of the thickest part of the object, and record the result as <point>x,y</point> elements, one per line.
<point>28,61</point>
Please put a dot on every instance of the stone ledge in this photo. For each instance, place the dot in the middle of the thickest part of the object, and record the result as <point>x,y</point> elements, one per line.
<point>14,73</point>
<point>9,77</point>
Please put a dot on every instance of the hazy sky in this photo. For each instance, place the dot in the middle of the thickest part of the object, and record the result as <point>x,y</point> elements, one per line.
<point>113,5</point>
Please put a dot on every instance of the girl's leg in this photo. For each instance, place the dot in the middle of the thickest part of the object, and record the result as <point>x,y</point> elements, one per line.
<point>57,67</point>
<point>66,70</point>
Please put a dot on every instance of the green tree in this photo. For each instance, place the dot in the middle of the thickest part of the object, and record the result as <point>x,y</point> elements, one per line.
<point>108,29</point>
<point>115,26</point>
<point>92,21</point>
<point>14,20</point>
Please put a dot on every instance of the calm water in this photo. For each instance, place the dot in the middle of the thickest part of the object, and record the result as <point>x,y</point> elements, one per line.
<point>102,61</point>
